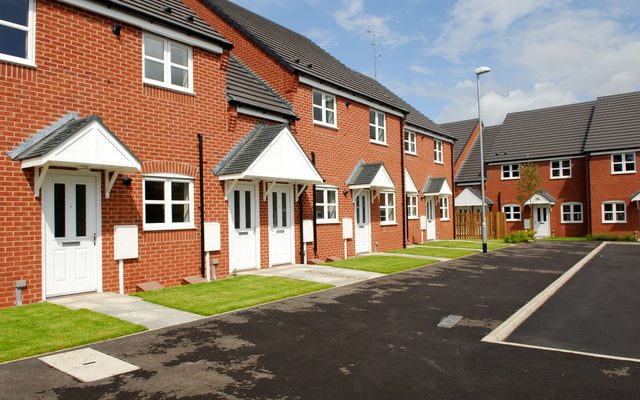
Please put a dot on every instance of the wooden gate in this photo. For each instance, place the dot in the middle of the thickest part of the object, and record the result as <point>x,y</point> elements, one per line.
<point>469,225</point>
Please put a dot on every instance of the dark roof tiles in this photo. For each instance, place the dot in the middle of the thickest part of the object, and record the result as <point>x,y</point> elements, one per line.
<point>470,170</point>
<point>461,131</point>
<point>616,123</point>
<point>364,174</point>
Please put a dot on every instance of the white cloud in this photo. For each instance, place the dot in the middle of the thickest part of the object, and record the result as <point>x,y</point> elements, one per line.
<point>419,69</point>
<point>324,38</point>
<point>352,17</point>
<point>464,84</point>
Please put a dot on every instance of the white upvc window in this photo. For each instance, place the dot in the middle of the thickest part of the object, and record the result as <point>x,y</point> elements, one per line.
<point>377,127</point>
<point>560,169</point>
<point>324,109</point>
<point>512,212</point>
<point>614,212</point>
<point>410,142</point>
<point>326,205</point>
<point>510,171</point>
<point>412,206</point>
<point>168,202</point>
<point>437,151</point>
<point>444,209</point>
<point>387,208</point>
<point>623,163</point>
<point>572,213</point>
<point>167,64</point>
<point>17,31</point>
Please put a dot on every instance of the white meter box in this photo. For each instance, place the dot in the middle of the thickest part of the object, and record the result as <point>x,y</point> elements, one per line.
<point>125,242</point>
<point>212,236</point>
<point>347,228</point>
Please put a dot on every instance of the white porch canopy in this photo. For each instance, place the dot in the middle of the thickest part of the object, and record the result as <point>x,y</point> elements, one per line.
<point>438,187</point>
<point>82,143</point>
<point>636,197</point>
<point>471,198</point>
<point>542,198</point>
<point>409,185</point>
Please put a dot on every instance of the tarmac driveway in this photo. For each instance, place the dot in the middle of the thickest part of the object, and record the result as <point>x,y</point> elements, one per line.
<point>373,340</point>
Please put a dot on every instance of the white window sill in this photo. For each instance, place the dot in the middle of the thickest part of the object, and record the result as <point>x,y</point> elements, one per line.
<point>328,222</point>
<point>17,61</point>
<point>176,89</point>
<point>513,220</point>
<point>413,218</point>
<point>623,172</point>
<point>438,162</point>
<point>388,223</point>
<point>378,143</point>
<point>559,177</point>
<point>165,227</point>
<point>510,179</point>
<point>614,222</point>
<point>571,222</point>
<point>445,219</point>
<point>325,125</point>
<point>411,153</point>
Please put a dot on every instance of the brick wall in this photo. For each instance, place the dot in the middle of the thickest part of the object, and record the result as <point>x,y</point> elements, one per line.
<point>83,67</point>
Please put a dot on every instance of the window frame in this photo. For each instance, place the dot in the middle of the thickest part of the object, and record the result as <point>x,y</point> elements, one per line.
<point>325,109</point>
<point>623,163</point>
<point>167,179</point>
<point>509,215</point>
<point>438,151</point>
<point>376,125</point>
<point>444,209</point>
<point>572,213</point>
<point>614,211</point>
<point>167,64</point>
<point>30,28</point>
<point>387,207</point>
<point>409,142</point>
<point>560,169</point>
<point>412,204</point>
<point>326,205</point>
<point>510,170</point>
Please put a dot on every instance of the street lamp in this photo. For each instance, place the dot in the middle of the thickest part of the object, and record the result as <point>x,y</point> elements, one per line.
<point>479,71</point>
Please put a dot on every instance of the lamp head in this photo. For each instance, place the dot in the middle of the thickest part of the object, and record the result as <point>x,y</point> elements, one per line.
<point>482,70</point>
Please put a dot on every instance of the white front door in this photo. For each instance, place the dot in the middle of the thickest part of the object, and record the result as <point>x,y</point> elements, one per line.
<point>70,234</point>
<point>431,218</point>
<point>363,223</point>
<point>243,213</point>
<point>281,226</point>
<point>541,221</point>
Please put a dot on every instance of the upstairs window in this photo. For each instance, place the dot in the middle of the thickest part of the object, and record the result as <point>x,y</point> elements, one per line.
<point>17,31</point>
<point>387,208</point>
<point>623,163</point>
<point>511,171</point>
<point>324,109</point>
<point>168,203</point>
<point>377,127</point>
<point>167,64</point>
<point>410,142</point>
<point>437,151</point>
<point>560,169</point>
<point>327,205</point>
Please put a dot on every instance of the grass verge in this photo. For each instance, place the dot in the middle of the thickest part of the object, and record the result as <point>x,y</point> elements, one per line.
<point>381,264</point>
<point>464,244</point>
<point>230,294</point>
<point>41,328</point>
<point>434,252</point>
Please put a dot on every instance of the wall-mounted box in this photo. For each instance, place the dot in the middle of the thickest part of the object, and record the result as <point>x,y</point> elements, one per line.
<point>212,236</point>
<point>347,228</point>
<point>125,242</point>
<point>307,231</point>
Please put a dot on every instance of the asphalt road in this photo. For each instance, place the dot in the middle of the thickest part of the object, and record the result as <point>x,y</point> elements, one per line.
<point>597,311</point>
<point>372,340</point>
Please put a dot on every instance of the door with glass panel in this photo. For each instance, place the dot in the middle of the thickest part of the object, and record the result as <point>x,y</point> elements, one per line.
<point>244,224</point>
<point>70,234</point>
<point>431,218</point>
<point>541,221</point>
<point>363,223</point>
<point>281,226</point>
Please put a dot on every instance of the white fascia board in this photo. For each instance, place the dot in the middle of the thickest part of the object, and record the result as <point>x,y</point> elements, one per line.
<point>535,160</point>
<point>468,183</point>
<point>467,199</point>
<point>261,114</point>
<point>413,128</point>
<point>602,153</point>
<point>636,197</point>
<point>410,186</point>
<point>338,92</point>
<point>141,23</point>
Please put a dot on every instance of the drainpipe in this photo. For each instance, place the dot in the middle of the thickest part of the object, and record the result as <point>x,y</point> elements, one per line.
<point>315,223</point>
<point>587,211</point>
<point>405,226</point>
<point>202,255</point>
<point>453,196</point>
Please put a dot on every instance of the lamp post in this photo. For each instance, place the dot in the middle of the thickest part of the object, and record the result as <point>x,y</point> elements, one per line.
<point>479,71</point>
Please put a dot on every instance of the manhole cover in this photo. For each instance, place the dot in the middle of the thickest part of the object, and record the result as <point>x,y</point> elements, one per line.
<point>88,365</point>
<point>449,321</point>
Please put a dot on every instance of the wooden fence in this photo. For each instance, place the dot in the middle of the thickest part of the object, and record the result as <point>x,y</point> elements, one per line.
<point>469,225</point>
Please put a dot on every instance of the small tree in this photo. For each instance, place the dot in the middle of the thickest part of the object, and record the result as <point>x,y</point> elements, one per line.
<point>530,184</point>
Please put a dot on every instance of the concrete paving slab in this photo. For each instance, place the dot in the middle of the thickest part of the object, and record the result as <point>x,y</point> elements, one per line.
<point>405,255</point>
<point>128,308</point>
<point>317,273</point>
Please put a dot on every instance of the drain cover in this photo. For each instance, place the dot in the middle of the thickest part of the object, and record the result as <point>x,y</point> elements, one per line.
<point>88,365</point>
<point>449,321</point>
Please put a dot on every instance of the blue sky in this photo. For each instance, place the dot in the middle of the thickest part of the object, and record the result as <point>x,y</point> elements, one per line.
<point>542,52</point>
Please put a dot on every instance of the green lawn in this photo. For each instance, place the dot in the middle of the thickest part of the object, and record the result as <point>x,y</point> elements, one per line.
<point>230,294</point>
<point>381,264</point>
<point>464,244</point>
<point>434,252</point>
<point>42,328</point>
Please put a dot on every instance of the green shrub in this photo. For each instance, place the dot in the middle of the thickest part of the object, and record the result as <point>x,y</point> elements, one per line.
<point>612,238</point>
<point>521,237</point>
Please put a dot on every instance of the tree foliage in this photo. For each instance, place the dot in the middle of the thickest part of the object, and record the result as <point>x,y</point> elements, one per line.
<point>530,184</point>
